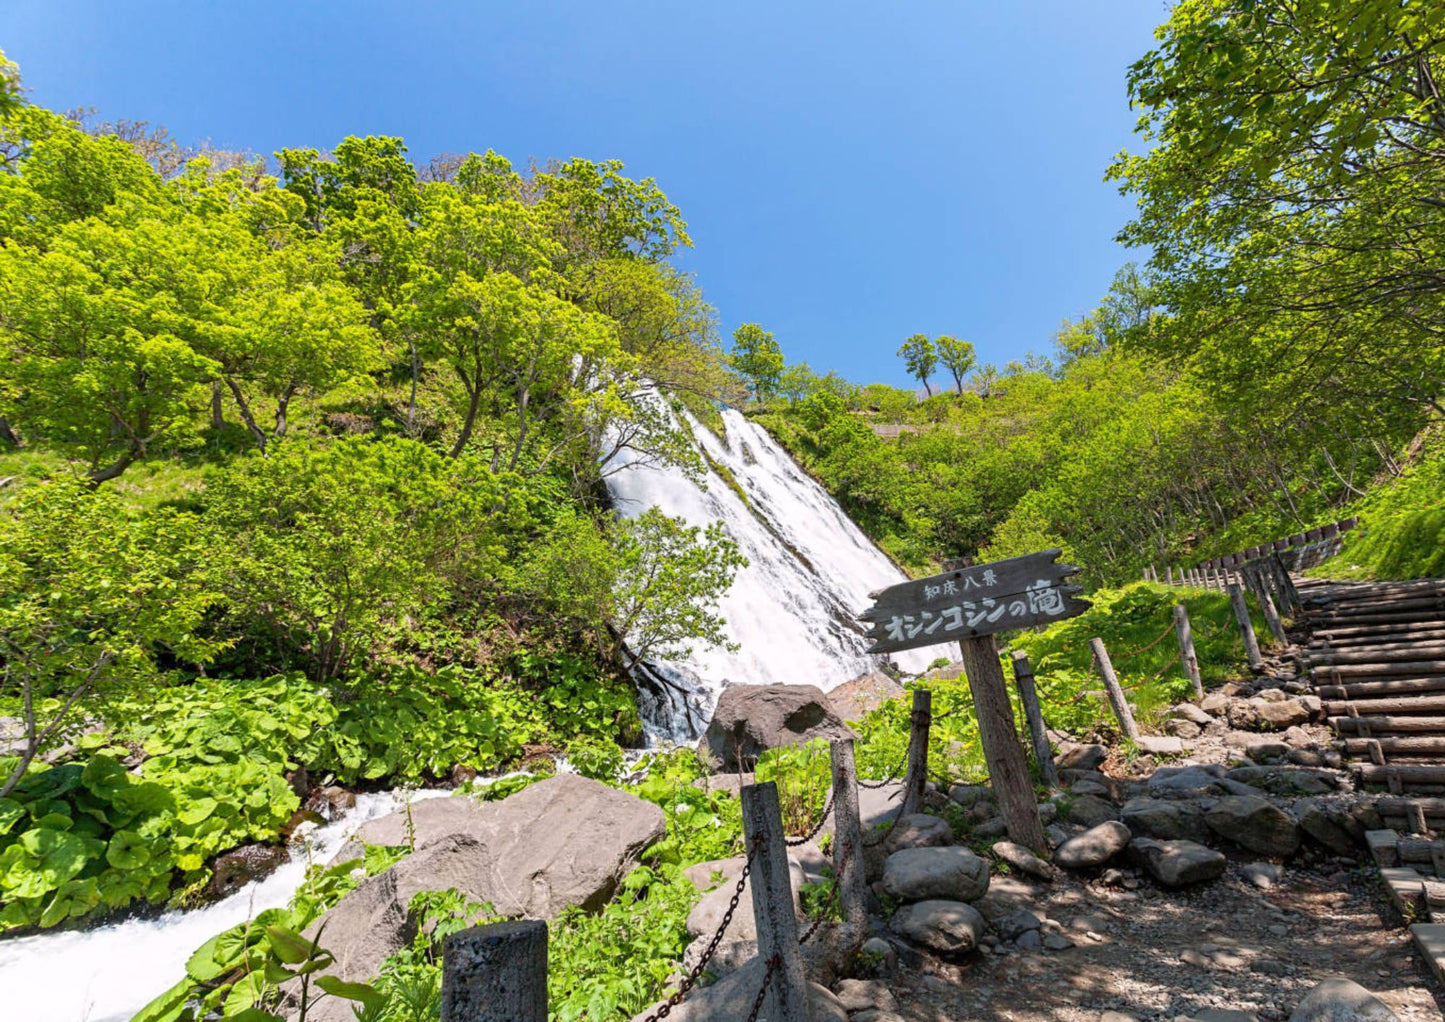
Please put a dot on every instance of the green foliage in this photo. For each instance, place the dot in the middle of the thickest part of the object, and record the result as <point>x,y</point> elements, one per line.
<point>920,357</point>
<point>701,825</point>
<point>758,359</point>
<point>803,774</point>
<point>613,964</point>
<point>1402,532</point>
<point>1137,626</point>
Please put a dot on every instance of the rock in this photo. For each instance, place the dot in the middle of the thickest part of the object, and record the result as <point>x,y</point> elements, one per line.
<point>730,955</point>
<point>1285,780</point>
<point>751,719</point>
<point>1073,756</point>
<point>430,820</point>
<point>1088,786</point>
<point>863,994</point>
<point>1263,875</point>
<point>1030,941</point>
<point>946,926</point>
<point>1338,999</point>
<point>1178,863</point>
<point>1254,823</point>
<point>1183,728</point>
<point>1164,819</point>
<point>1281,714</point>
<point>920,831</point>
<point>1090,810</point>
<point>882,954</point>
<point>1057,942</point>
<point>1297,738</point>
<point>1195,780</point>
<point>1243,714</point>
<point>331,801</point>
<point>1222,1015</point>
<point>1313,705</point>
<point>1094,847</point>
<point>235,869</point>
<point>1215,703</point>
<point>1160,745</point>
<point>970,795</point>
<point>707,915</point>
<point>1262,750</point>
<point>1020,858</point>
<point>991,829</point>
<point>1334,828</point>
<point>854,700</point>
<point>1006,894</point>
<point>1016,924</point>
<point>920,874</point>
<point>1192,713</point>
<point>732,998</point>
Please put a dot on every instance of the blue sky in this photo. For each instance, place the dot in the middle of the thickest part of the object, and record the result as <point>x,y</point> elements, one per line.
<point>851,173</point>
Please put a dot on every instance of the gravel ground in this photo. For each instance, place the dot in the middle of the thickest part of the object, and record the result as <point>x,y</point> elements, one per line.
<point>1162,955</point>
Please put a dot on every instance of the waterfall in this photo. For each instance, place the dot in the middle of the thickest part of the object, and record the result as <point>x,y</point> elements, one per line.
<point>110,973</point>
<point>793,610</point>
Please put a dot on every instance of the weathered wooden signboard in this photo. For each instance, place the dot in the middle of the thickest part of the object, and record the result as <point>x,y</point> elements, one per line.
<point>968,605</point>
<point>971,602</point>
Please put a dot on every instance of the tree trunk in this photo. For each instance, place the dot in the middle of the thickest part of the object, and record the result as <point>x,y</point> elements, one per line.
<point>218,415</point>
<point>7,435</point>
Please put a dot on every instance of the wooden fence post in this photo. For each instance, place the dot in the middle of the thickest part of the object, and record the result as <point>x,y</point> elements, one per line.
<point>1186,648</point>
<point>787,997</point>
<point>1008,771</point>
<point>1029,698</point>
<point>848,835</point>
<point>1266,603</point>
<point>496,973</point>
<point>917,774</point>
<point>1246,627</point>
<point>1287,592</point>
<point>1116,692</point>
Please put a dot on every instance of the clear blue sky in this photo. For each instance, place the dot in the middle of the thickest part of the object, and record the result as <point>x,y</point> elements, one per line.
<point>851,173</point>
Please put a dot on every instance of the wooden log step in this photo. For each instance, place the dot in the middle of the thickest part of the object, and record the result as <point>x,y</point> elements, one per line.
<point>1408,617</point>
<point>1380,705</point>
<point>1404,807</point>
<point>1357,608</point>
<point>1375,632</point>
<point>1408,651</point>
<point>1386,687</point>
<point>1378,669</point>
<point>1371,773</point>
<point>1348,590</point>
<point>1378,724</point>
<point>1382,643</point>
<point>1408,745</point>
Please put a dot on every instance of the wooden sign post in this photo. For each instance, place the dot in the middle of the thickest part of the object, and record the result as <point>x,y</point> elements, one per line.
<point>969,605</point>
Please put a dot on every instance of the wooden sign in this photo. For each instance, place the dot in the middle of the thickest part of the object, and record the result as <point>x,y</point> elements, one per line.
<point>970,602</point>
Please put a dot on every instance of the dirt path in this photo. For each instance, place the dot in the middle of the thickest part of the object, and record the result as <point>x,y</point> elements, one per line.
<point>1156,955</point>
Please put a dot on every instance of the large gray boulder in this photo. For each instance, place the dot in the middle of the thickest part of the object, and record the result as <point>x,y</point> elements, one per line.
<point>1164,819</point>
<point>854,700</point>
<point>707,915</point>
<point>1178,863</point>
<point>430,820</point>
<point>947,926</point>
<point>1254,823</point>
<point>563,841</point>
<point>1338,999</point>
<point>920,874</point>
<point>750,719</point>
<point>1093,847</point>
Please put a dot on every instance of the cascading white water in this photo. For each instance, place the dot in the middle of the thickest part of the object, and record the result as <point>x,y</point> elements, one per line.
<point>110,973</point>
<point>793,609</point>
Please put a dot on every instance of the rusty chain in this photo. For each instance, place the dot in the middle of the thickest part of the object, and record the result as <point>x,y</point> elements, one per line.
<point>773,964</point>
<point>690,980</point>
<point>832,895</point>
<point>1143,649</point>
<point>794,842</point>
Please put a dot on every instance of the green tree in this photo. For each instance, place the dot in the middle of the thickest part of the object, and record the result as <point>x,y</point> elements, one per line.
<point>919,356</point>
<point>957,357</point>
<point>1291,194</point>
<point>758,359</point>
<point>91,595</point>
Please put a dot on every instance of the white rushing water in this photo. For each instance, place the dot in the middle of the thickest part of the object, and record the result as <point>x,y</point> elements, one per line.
<point>793,609</point>
<point>110,973</point>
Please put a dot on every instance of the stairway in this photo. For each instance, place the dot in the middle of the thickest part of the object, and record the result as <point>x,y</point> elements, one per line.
<point>1376,657</point>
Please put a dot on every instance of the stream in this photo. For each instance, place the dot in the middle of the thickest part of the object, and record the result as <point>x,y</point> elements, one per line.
<point>109,973</point>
